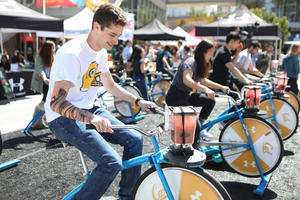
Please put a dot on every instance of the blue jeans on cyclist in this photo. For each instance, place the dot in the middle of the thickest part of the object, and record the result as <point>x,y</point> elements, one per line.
<point>95,146</point>
<point>141,84</point>
<point>176,97</point>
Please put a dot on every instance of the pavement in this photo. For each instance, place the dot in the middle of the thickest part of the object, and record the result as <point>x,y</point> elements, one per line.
<point>50,171</point>
<point>17,113</point>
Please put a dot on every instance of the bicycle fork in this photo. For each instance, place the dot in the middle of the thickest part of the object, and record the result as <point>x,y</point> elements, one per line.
<point>161,175</point>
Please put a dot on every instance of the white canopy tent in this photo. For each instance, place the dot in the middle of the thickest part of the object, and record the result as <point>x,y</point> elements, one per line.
<point>81,23</point>
<point>16,18</point>
<point>189,39</point>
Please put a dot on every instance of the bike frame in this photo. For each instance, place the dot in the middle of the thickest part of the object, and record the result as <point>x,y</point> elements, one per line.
<point>155,159</point>
<point>226,116</point>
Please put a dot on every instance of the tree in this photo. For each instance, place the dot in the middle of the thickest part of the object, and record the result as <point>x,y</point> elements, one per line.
<point>197,13</point>
<point>270,17</point>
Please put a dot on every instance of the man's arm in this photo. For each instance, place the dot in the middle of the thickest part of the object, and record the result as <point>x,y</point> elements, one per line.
<point>237,73</point>
<point>188,81</point>
<point>60,105</point>
<point>166,63</point>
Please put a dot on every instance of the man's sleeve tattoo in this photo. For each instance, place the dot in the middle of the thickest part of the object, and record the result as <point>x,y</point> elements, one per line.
<point>60,105</point>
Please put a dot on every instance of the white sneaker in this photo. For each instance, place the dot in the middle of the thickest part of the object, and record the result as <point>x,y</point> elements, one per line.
<point>206,135</point>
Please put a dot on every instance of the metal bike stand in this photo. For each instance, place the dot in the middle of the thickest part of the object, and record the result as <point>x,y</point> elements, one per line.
<point>86,174</point>
<point>9,164</point>
<point>210,149</point>
<point>32,122</point>
<point>262,185</point>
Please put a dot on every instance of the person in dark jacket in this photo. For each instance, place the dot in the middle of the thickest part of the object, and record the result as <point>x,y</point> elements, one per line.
<point>291,66</point>
<point>4,63</point>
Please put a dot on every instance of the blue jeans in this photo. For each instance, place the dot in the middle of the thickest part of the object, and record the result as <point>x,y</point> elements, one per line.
<point>95,146</point>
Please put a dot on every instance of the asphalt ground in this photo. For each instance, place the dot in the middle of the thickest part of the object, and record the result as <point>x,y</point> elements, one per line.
<point>49,171</point>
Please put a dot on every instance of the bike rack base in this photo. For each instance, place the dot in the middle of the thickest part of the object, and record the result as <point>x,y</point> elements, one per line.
<point>9,164</point>
<point>31,123</point>
<point>262,185</point>
<point>135,118</point>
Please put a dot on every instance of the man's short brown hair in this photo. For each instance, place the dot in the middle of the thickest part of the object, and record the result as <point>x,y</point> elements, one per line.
<point>108,14</point>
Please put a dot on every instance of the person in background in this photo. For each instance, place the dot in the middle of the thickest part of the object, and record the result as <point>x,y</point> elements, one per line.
<point>180,50</point>
<point>42,67</point>
<point>254,58</point>
<point>193,74</point>
<point>163,61</point>
<point>5,53</point>
<point>291,66</point>
<point>127,51</point>
<point>140,67</point>
<point>149,52</point>
<point>118,59</point>
<point>186,52</point>
<point>17,58</point>
<point>59,44</point>
<point>264,59</point>
<point>4,64</point>
<point>176,58</point>
<point>79,68</point>
<point>280,56</point>
<point>244,62</point>
<point>223,63</point>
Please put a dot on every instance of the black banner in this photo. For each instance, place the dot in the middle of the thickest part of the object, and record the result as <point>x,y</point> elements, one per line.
<point>6,89</point>
<point>20,82</point>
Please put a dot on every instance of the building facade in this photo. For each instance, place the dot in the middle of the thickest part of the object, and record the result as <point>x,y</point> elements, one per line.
<point>190,13</point>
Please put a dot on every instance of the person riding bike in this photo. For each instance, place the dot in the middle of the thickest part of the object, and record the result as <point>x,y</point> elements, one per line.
<point>193,74</point>
<point>78,68</point>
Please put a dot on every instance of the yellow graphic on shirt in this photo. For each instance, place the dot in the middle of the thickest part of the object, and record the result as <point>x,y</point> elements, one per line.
<point>91,77</point>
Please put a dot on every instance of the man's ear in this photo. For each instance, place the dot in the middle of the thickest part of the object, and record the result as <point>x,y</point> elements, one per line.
<point>96,26</point>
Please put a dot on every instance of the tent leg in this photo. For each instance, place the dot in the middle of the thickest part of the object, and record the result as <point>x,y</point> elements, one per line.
<point>276,47</point>
<point>1,41</point>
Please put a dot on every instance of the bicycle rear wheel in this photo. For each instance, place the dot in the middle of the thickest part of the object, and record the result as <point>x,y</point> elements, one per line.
<point>125,108</point>
<point>293,100</point>
<point>266,140</point>
<point>185,183</point>
<point>159,92</point>
<point>286,116</point>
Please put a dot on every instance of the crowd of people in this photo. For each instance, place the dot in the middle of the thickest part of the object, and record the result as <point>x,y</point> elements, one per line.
<point>69,81</point>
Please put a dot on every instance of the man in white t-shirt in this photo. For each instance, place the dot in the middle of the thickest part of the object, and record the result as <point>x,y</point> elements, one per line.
<point>244,62</point>
<point>78,68</point>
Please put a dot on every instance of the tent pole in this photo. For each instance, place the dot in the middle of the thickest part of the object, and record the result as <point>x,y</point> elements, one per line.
<point>37,43</point>
<point>1,41</point>
<point>276,47</point>
<point>280,44</point>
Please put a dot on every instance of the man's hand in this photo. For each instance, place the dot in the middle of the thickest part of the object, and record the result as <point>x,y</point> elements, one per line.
<point>224,89</point>
<point>145,105</point>
<point>102,124</point>
<point>248,82</point>
<point>210,93</point>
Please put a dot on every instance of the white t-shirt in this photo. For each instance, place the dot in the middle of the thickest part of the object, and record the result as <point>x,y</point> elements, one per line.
<point>244,59</point>
<point>82,66</point>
